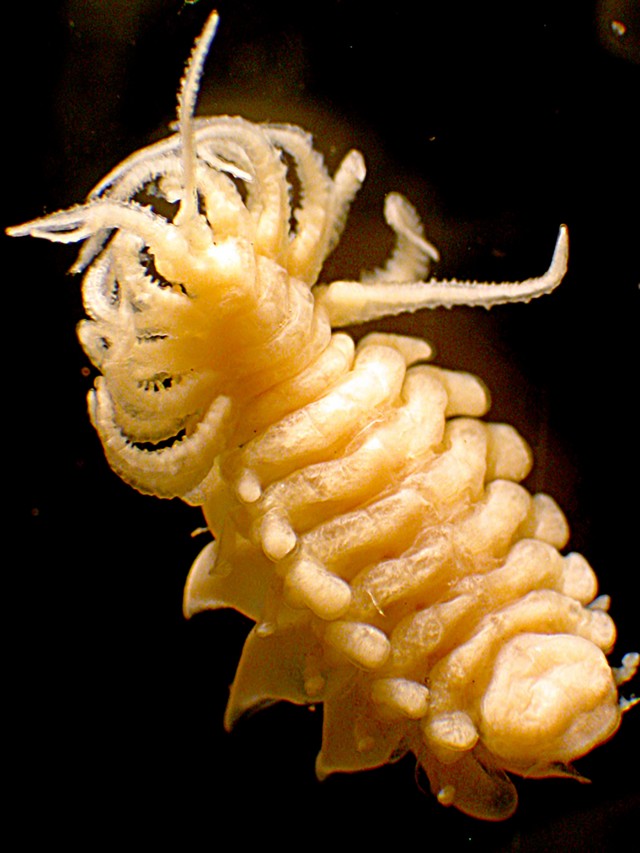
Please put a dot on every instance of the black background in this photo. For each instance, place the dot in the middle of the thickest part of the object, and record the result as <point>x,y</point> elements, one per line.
<point>499,121</point>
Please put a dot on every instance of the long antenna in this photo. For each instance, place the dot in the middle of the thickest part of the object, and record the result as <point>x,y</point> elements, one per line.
<point>186,108</point>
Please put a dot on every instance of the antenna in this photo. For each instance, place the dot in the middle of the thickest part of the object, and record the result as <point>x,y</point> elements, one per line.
<point>186,108</point>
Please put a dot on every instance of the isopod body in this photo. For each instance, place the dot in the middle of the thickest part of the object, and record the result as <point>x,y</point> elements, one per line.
<point>364,516</point>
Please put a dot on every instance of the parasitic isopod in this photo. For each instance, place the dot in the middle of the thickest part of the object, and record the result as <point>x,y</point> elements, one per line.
<point>365,516</point>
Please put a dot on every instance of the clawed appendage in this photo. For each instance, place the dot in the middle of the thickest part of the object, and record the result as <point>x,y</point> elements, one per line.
<point>366,519</point>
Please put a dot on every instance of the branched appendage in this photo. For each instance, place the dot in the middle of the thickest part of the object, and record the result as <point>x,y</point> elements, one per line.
<point>173,295</point>
<point>364,517</point>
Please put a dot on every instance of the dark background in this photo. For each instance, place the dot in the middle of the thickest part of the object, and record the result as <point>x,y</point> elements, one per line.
<point>499,121</point>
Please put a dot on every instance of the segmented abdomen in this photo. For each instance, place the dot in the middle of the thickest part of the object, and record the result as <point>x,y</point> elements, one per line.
<point>377,533</point>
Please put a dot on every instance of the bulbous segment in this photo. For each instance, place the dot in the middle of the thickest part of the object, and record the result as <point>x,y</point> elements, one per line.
<point>401,697</point>
<point>310,585</point>
<point>550,700</point>
<point>401,574</point>
<point>364,645</point>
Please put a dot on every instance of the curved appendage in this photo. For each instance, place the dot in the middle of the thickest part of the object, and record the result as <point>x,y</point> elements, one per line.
<point>186,314</point>
<point>186,107</point>
<point>412,255</point>
<point>350,302</point>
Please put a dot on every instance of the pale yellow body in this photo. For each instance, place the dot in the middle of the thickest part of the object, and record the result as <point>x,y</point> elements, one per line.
<point>363,515</point>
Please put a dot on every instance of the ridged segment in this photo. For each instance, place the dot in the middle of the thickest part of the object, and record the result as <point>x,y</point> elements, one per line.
<point>405,574</point>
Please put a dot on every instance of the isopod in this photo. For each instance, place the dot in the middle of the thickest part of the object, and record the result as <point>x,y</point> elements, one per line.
<point>363,514</point>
